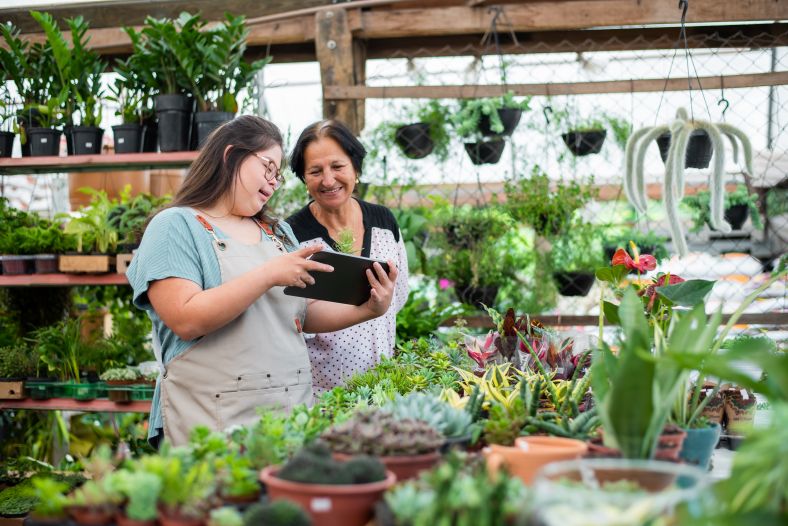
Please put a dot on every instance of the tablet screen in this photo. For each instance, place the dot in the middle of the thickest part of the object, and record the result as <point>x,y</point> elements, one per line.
<point>347,284</point>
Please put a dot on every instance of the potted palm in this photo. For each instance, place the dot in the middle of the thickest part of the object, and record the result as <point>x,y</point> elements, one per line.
<point>218,72</point>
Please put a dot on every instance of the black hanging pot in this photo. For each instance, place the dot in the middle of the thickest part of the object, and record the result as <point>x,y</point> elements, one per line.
<point>584,142</point>
<point>510,117</point>
<point>574,283</point>
<point>128,137</point>
<point>487,152</point>
<point>87,139</point>
<point>43,141</point>
<point>414,140</point>
<point>736,215</point>
<point>476,296</point>
<point>150,135</point>
<point>204,124</point>
<point>6,143</point>
<point>699,149</point>
<point>174,117</point>
<point>550,224</point>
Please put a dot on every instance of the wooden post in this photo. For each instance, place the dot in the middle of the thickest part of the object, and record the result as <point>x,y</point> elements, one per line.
<point>342,62</point>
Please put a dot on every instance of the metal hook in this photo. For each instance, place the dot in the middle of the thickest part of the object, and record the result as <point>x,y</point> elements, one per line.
<point>545,111</point>
<point>683,5</point>
<point>727,105</point>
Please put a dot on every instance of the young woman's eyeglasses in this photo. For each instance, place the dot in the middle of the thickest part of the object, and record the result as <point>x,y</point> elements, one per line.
<point>272,172</point>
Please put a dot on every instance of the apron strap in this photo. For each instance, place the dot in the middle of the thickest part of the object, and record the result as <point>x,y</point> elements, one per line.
<point>209,228</point>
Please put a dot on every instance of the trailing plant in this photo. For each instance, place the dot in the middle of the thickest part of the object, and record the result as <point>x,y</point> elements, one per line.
<point>701,207</point>
<point>379,433</point>
<point>673,187</point>
<point>547,206</point>
<point>470,112</point>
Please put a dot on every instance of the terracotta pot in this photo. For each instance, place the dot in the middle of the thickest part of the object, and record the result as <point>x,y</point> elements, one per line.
<point>405,467</point>
<point>669,443</point>
<point>241,500</point>
<point>179,520</point>
<point>597,449</point>
<point>530,453</point>
<point>340,505</point>
<point>122,520</point>
<point>91,515</point>
<point>32,520</point>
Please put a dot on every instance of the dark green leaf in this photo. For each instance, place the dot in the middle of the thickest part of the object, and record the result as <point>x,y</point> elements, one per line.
<point>688,293</point>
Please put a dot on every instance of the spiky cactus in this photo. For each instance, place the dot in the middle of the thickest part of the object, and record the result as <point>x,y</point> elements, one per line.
<point>673,186</point>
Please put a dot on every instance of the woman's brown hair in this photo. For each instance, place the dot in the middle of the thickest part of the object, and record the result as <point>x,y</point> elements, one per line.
<point>211,175</point>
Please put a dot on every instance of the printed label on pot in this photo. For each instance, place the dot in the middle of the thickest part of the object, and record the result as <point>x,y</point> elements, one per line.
<point>88,145</point>
<point>43,140</point>
<point>320,504</point>
<point>121,140</point>
<point>744,395</point>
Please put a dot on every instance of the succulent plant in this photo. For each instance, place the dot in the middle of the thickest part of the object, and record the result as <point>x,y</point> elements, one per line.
<point>278,513</point>
<point>225,516</point>
<point>381,433</point>
<point>427,408</point>
<point>120,374</point>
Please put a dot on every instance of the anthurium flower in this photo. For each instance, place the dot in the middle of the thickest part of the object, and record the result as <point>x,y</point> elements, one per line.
<point>663,279</point>
<point>641,263</point>
<point>481,353</point>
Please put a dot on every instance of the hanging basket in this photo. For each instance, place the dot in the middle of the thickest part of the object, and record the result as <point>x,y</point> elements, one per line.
<point>487,152</point>
<point>699,149</point>
<point>510,117</point>
<point>584,142</point>
<point>476,296</point>
<point>574,283</point>
<point>414,140</point>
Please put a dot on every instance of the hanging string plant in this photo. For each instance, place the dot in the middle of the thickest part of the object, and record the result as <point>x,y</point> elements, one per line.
<point>681,130</point>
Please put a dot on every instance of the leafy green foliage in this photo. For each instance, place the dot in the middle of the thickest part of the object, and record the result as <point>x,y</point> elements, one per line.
<point>648,242</point>
<point>92,228</point>
<point>580,249</point>
<point>470,112</point>
<point>16,362</point>
<point>420,317</point>
<point>700,206</point>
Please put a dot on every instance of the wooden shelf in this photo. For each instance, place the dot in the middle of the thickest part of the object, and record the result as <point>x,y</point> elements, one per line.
<point>95,163</point>
<point>69,404</point>
<point>62,280</point>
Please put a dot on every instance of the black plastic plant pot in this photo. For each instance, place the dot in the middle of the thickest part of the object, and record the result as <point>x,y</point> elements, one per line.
<point>173,113</point>
<point>43,141</point>
<point>550,224</point>
<point>204,124</point>
<point>736,215</point>
<point>40,388</point>
<point>6,143</point>
<point>586,142</point>
<point>476,296</point>
<point>87,139</point>
<point>487,152</point>
<point>17,265</point>
<point>699,149</point>
<point>26,120</point>
<point>574,283</point>
<point>150,135</point>
<point>128,137</point>
<point>510,118</point>
<point>414,140</point>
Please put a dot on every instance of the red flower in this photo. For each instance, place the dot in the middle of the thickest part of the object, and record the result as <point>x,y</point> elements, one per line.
<point>663,279</point>
<point>641,263</point>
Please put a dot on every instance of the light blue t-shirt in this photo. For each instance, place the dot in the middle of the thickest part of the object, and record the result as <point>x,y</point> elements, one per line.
<point>176,245</point>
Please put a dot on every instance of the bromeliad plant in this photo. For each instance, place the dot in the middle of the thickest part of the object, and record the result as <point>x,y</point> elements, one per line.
<point>673,187</point>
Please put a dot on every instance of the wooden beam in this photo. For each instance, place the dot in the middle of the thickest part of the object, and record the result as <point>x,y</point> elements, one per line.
<point>336,51</point>
<point>587,320</point>
<point>550,89</point>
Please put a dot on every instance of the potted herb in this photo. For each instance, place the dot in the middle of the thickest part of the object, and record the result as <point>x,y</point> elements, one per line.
<point>217,72</point>
<point>406,447</point>
<point>739,204</point>
<point>575,257</point>
<point>349,489</point>
<point>16,364</point>
<point>544,204</point>
<point>141,491</point>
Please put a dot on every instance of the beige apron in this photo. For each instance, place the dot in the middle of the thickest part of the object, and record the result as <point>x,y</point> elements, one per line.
<point>257,360</point>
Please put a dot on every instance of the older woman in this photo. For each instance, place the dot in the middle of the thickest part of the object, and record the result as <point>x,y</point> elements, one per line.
<point>328,159</point>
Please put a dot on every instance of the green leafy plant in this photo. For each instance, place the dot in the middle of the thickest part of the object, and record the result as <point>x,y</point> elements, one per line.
<point>120,374</point>
<point>470,112</point>
<point>46,238</point>
<point>432,113</point>
<point>59,347</point>
<point>345,241</point>
<point>50,498</point>
<point>141,490</point>
<point>546,205</point>
<point>236,477</point>
<point>129,215</point>
<point>699,204</point>
<point>129,92</point>
<point>580,249</point>
<point>421,316</point>
<point>92,228</point>
<point>186,484</point>
<point>16,362</point>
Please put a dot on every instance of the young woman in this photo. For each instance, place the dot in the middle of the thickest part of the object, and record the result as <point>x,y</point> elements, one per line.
<point>210,271</point>
<point>328,159</point>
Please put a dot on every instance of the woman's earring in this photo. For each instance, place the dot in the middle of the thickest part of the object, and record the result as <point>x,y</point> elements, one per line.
<point>357,180</point>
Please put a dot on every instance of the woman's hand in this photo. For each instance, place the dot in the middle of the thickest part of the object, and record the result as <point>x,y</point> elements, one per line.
<point>382,288</point>
<point>293,269</point>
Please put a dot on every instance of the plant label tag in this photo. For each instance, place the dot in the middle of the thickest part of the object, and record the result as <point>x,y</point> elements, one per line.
<point>44,140</point>
<point>121,140</point>
<point>320,505</point>
<point>744,394</point>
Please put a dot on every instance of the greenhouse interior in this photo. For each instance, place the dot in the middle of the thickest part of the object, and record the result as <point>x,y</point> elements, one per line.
<point>393,262</point>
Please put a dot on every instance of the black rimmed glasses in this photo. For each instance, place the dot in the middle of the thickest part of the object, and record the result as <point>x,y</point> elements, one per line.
<point>272,172</point>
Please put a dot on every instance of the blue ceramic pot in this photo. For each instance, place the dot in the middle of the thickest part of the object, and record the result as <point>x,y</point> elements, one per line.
<point>699,445</point>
